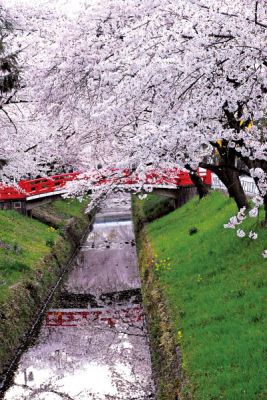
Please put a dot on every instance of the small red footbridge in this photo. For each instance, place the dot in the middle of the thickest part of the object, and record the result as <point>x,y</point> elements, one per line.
<point>41,187</point>
<point>74,318</point>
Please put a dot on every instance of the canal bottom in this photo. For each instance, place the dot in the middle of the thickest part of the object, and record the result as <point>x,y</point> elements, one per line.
<point>93,341</point>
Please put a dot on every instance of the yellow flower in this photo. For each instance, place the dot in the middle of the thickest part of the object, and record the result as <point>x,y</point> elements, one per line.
<point>164,260</point>
<point>169,264</point>
<point>168,258</point>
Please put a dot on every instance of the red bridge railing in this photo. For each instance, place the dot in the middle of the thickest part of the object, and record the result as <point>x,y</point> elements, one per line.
<point>77,318</point>
<point>27,188</point>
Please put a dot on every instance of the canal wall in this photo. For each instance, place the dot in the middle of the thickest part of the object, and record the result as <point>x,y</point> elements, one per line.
<point>26,297</point>
<point>165,353</point>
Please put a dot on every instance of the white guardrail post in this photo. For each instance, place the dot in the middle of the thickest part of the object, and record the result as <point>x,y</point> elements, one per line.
<point>247,183</point>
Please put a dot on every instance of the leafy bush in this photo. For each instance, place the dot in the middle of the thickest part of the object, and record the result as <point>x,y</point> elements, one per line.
<point>50,242</point>
<point>193,230</point>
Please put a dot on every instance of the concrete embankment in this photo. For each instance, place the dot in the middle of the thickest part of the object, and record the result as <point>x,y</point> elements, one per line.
<point>30,277</point>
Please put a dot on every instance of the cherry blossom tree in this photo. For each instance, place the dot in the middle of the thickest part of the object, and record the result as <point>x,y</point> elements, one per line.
<point>32,144</point>
<point>154,84</point>
<point>163,83</point>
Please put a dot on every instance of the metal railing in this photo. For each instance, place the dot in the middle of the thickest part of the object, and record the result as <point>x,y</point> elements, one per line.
<point>247,183</point>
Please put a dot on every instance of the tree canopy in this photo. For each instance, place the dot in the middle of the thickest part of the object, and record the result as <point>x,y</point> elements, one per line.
<point>142,85</point>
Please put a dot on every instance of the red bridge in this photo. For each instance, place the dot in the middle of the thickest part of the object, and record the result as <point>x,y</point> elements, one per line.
<point>156,178</point>
<point>29,194</point>
<point>68,318</point>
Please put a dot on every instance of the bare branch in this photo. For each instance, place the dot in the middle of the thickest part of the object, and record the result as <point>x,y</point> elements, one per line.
<point>4,111</point>
<point>256,16</point>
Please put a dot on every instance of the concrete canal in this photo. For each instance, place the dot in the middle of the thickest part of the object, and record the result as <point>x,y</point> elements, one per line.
<point>93,342</point>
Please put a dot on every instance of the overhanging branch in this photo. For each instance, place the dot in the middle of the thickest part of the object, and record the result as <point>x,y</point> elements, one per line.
<point>214,167</point>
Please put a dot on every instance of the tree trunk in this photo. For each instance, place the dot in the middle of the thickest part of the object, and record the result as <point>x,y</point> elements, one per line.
<point>264,222</point>
<point>2,163</point>
<point>230,178</point>
<point>234,182</point>
<point>221,173</point>
<point>200,185</point>
<point>228,174</point>
<point>237,189</point>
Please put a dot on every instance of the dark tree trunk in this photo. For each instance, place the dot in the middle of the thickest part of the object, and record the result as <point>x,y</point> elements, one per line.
<point>2,163</point>
<point>234,182</point>
<point>237,189</point>
<point>200,185</point>
<point>230,178</point>
<point>264,222</point>
<point>221,173</point>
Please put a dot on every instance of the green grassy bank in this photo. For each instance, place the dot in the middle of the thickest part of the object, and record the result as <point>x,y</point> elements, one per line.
<point>32,256</point>
<point>212,289</point>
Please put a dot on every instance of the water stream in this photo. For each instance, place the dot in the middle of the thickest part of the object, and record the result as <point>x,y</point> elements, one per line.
<point>93,342</point>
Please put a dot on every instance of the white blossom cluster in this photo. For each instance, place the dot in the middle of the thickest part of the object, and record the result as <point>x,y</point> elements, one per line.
<point>237,220</point>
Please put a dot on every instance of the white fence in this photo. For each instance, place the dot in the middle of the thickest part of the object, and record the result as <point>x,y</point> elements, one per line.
<point>247,183</point>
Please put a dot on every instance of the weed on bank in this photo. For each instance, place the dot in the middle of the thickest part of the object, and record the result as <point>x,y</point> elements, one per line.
<point>216,287</point>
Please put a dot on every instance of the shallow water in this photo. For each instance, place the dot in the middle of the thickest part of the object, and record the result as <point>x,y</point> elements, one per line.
<point>93,342</point>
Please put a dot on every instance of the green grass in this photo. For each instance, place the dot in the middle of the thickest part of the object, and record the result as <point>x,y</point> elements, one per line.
<point>65,209</point>
<point>23,243</point>
<point>216,289</point>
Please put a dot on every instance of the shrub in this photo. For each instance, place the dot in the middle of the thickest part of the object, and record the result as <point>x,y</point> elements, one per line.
<point>193,230</point>
<point>50,242</point>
